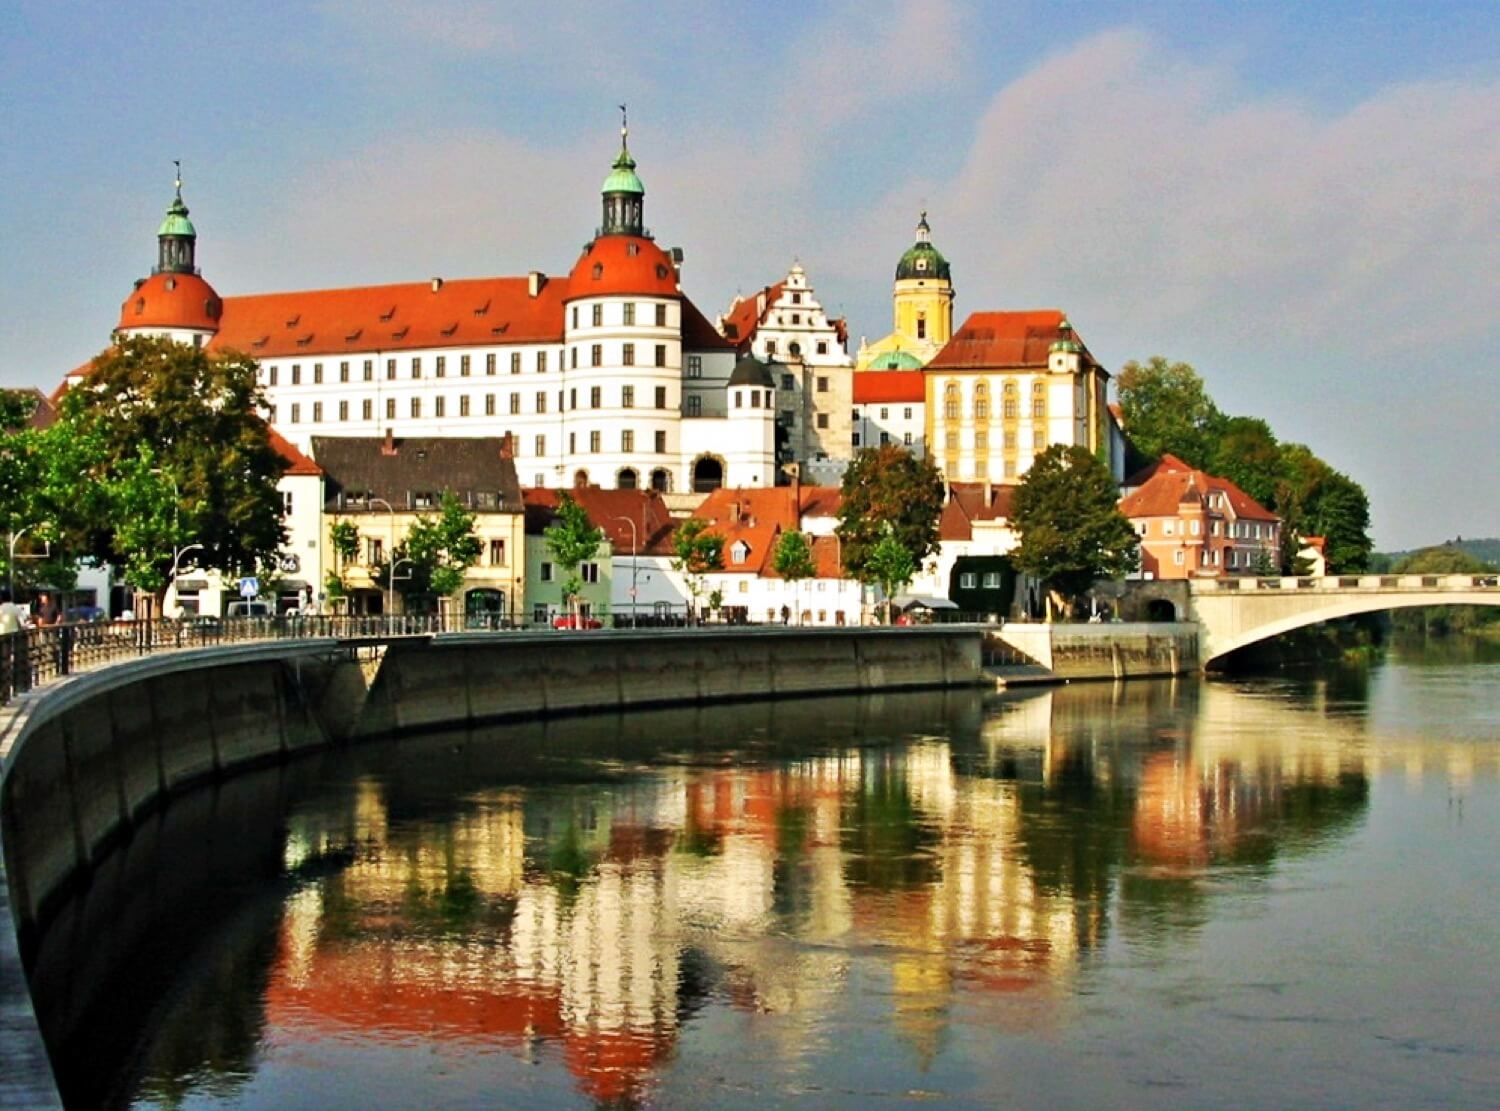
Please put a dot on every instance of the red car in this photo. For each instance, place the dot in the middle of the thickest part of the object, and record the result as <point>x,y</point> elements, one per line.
<point>573,621</point>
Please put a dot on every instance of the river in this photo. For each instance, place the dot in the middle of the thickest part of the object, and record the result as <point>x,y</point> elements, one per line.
<point>1250,892</point>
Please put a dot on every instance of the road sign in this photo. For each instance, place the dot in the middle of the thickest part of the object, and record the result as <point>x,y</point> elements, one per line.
<point>249,587</point>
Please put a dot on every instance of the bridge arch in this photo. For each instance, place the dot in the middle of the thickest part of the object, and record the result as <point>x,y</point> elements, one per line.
<point>1256,610</point>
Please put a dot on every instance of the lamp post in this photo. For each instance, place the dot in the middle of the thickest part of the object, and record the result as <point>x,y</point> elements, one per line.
<point>391,522</point>
<point>177,554</point>
<point>10,567</point>
<point>634,550</point>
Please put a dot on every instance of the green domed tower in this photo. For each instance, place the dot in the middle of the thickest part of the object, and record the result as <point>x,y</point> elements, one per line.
<point>624,195</point>
<point>922,305</point>
<point>922,259</point>
<point>176,239</point>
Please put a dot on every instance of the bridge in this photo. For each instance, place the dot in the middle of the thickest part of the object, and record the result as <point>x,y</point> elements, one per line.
<point>1235,612</point>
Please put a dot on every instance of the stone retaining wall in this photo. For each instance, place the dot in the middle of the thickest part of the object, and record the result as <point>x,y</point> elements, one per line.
<point>1106,651</point>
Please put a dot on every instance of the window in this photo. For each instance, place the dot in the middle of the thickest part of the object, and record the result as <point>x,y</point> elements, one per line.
<point>541,401</point>
<point>856,439</point>
<point>1010,439</point>
<point>950,401</point>
<point>344,371</point>
<point>369,370</point>
<point>271,414</point>
<point>296,374</point>
<point>594,440</point>
<point>598,315</point>
<point>343,410</point>
<point>572,399</point>
<point>695,366</point>
<point>1010,468</point>
<point>950,440</point>
<point>441,368</point>
<point>575,316</point>
<point>438,408</point>
<point>416,408</point>
<point>588,572</point>
<point>981,440</point>
<point>1144,527</point>
<point>627,397</point>
<point>596,354</point>
<point>788,382</point>
<point>885,413</point>
<point>541,448</point>
<point>906,439</point>
<point>796,300</point>
<point>390,369</point>
<point>739,399</point>
<point>541,362</point>
<point>695,405</point>
<point>463,405</point>
<point>546,572</point>
<point>822,420</point>
<point>661,354</point>
<point>497,553</point>
<point>822,347</point>
<point>1193,527</point>
<point>515,362</point>
<point>1038,406</point>
<point>271,375</point>
<point>375,550</point>
<point>296,412</point>
<point>367,409</point>
<point>390,408</point>
<point>627,440</point>
<point>661,444</point>
<point>629,315</point>
<point>416,366</point>
<point>788,417</point>
<point>573,358</point>
<point>921,326</point>
<point>967,580</point>
<point>1038,439</point>
<point>515,403</point>
<point>770,347</point>
<point>661,397</point>
<point>906,413</point>
<point>489,363</point>
<point>739,552</point>
<point>661,316</point>
<point>1178,557</point>
<point>596,395</point>
<point>794,349</point>
<point>885,438</point>
<point>572,443</point>
<point>822,385</point>
<point>1168,527</point>
<point>463,366</point>
<point>981,402</point>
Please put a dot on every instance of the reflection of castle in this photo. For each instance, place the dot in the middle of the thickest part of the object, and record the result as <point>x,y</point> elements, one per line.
<point>980,868</point>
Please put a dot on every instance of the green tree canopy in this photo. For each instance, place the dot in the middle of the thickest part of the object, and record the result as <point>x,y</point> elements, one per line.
<point>793,561</point>
<point>890,566</point>
<point>696,552</point>
<point>197,413</point>
<point>888,486</point>
<point>1316,500</point>
<point>1067,516</point>
<point>1167,409</point>
<point>572,539</point>
<point>439,550</point>
<point>1245,451</point>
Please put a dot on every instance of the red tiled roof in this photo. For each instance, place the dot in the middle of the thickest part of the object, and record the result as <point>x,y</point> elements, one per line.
<point>889,385</point>
<point>759,515</point>
<point>171,301</point>
<point>605,508</point>
<point>1000,339</point>
<point>697,333</point>
<point>614,264</point>
<point>297,463</point>
<point>746,314</point>
<point>969,502</point>
<point>1172,482</point>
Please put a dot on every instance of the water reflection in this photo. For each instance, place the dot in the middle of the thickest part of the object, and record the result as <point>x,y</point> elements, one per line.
<point>622,901</point>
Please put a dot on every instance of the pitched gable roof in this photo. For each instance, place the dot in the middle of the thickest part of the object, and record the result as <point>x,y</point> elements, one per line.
<point>1001,339</point>
<point>296,463</point>
<point>1171,482</point>
<point>393,469</point>
<point>609,510</point>
<point>898,386</point>
<point>745,315</point>
<point>969,503</point>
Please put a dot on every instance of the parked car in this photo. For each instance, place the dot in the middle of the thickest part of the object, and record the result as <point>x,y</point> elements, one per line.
<point>250,609</point>
<point>573,621</point>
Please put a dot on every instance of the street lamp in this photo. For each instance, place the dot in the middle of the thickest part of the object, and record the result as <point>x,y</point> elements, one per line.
<point>391,521</point>
<point>177,554</point>
<point>10,568</point>
<point>634,550</point>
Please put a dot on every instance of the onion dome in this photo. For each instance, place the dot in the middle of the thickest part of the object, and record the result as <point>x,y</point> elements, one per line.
<point>750,371</point>
<point>623,192</point>
<point>618,264</point>
<point>1065,341</point>
<point>176,239</point>
<point>922,259</point>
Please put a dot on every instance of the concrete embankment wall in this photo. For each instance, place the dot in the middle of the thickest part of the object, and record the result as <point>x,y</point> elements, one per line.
<point>486,678</point>
<point>1129,650</point>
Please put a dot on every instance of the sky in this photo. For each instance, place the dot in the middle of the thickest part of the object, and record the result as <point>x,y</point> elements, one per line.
<point>1300,200</point>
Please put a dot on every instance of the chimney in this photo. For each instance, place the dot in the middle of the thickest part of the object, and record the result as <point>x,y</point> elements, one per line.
<point>389,447</point>
<point>734,510</point>
<point>760,304</point>
<point>989,493</point>
<point>797,496</point>
<point>534,282</point>
<point>437,284</point>
<point>507,447</point>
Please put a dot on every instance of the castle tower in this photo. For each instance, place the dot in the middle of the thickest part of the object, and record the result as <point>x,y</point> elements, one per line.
<point>174,301</point>
<point>921,308</point>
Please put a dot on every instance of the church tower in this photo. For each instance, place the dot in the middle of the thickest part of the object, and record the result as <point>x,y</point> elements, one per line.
<point>922,309</point>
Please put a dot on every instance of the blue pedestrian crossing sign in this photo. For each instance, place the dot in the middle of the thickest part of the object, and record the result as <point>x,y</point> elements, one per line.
<point>249,587</point>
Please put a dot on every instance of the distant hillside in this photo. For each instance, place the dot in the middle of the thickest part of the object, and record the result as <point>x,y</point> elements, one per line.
<point>1487,549</point>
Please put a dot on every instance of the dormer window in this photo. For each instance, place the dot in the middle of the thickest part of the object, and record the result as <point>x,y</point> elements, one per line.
<point>739,552</point>
<point>598,271</point>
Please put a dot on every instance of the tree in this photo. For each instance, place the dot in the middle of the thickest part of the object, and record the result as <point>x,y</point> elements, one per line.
<point>572,539</point>
<point>1072,532</point>
<point>438,550</point>
<point>343,539</point>
<point>890,566</point>
<point>888,486</point>
<point>1167,409</point>
<point>1313,499</point>
<point>697,552</point>
<point>793,561</point>
<point>1244,450</point>
<point>149,530</point>
<point>198,414</point>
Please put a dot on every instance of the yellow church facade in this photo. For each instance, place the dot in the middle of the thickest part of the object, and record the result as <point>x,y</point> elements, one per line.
<point>922,304</point>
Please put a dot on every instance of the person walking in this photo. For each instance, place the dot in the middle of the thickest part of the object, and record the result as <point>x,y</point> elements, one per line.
<point>14,658</point>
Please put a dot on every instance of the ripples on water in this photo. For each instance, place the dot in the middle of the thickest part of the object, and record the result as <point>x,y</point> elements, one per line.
<point>1276,892</point>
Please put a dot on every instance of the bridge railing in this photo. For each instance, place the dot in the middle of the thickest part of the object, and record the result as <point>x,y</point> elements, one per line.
<point>1342,583</point>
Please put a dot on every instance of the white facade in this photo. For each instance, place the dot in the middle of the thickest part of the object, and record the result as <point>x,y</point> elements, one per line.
<point>891,422</point>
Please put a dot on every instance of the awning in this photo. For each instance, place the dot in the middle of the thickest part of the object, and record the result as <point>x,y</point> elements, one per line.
<point>923,601</point>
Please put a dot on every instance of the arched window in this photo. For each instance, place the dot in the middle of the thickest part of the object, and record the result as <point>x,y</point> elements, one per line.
<point>1038,400</point>
<point>661,480</point>
<point>950,401</point>
<point>981,401</point>
<point>794,349</point>
<point>626,479</point>
<point>580,479</point>
<point>708,474</point>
